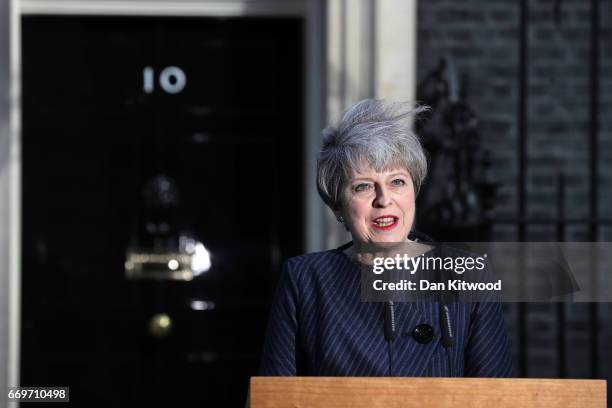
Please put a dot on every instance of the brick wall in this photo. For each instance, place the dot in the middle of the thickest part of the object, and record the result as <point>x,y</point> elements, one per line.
<point>482,36</point>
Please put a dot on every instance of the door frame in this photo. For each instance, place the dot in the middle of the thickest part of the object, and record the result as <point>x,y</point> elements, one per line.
<point>352,49</point>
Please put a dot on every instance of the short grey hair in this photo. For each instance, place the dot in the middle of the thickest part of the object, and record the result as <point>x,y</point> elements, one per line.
<point>371,132</point>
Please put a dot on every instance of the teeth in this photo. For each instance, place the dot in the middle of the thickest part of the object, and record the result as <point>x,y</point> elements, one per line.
<point>384,221</point>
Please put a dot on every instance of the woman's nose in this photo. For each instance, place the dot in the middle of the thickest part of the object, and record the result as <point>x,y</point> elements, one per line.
<point>383,199</point>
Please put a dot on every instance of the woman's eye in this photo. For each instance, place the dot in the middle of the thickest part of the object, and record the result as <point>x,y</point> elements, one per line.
<point>398,182</point>
<point>362,187</point>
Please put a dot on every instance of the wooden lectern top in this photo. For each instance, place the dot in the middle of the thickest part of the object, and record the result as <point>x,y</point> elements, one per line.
<point>358,392</point>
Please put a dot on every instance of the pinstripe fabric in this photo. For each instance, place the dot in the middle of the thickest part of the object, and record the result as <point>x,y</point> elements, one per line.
<point>319,326</point>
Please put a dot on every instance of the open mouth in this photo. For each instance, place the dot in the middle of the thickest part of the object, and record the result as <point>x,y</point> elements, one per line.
<point>386,222</point>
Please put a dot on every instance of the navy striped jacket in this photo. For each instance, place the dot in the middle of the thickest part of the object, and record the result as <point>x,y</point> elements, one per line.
<point>319,326</point>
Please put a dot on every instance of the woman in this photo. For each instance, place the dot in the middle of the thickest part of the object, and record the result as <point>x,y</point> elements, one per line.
<point>368,172</point>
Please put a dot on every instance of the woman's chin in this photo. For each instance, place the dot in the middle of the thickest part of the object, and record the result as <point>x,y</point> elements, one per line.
<point>389,236</point>
<point>388,241</point>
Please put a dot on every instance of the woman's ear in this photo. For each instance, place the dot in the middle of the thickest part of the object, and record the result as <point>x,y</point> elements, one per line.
<point>338,214</point>
<point>340,217</point>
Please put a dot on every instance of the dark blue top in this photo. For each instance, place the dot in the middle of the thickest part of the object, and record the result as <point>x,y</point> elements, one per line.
<point>319,326</point>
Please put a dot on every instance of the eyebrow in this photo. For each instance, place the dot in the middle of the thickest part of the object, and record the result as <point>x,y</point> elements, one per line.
<point>398,174</point>
<point>362,178</point>
<point>357,180</point>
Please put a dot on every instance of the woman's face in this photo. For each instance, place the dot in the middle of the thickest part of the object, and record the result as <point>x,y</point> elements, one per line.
<point>378,207</point>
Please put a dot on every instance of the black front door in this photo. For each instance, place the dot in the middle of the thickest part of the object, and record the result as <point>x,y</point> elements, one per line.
<point>137,134</point>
